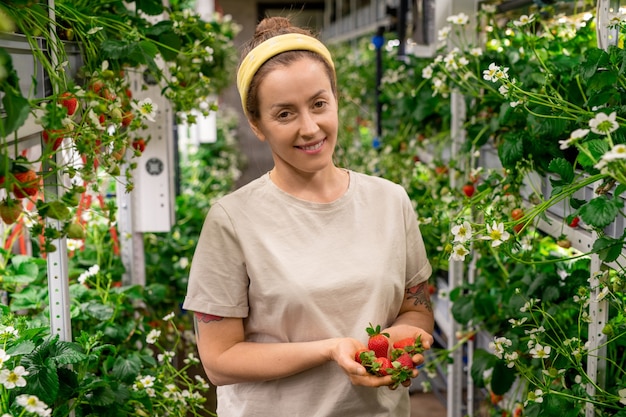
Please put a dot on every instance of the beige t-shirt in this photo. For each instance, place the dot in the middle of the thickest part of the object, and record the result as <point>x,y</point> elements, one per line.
<point>300,271</point>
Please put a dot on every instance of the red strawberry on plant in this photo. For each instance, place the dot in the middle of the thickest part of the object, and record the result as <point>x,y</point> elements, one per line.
<point>127,117</point>
<point>139,145</point>
<point>70,102</point>
<point>468,190</point>
<point>26,183</point>
<point>574,222</point>
<point>378,342</point>
<point>53,137</point>
<point>10,210</point>
<point>517,213</point>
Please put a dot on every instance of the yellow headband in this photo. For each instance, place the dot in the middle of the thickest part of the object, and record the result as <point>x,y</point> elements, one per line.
<point>270,48</point>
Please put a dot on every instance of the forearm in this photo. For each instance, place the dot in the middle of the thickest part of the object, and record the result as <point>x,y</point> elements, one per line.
<point>422,319</point>
<point>249,362</point>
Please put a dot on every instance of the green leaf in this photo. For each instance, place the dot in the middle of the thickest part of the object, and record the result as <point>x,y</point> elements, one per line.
<point>482,361</point>
<point>97,310</point>
<point>42,378</point>
<point>484,304</point>
<point>31,297</point>
<point>100,392</point>
<point>601,211</point>
<point>23,348</point>
<point>502,378</point>
<point>127,369</point>
<point>563,168</point>
<point>150,7</point>
<point>511,151</point>
<point>608,249</point>
<point>599,81</point>
<point>173,43</point>
<point>463,310</point>
<point>593,59</point>
<point>17,109</point>
<point>597,148</point>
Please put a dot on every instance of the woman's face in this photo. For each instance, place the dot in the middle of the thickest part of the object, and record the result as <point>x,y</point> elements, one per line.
<point>298,116</point>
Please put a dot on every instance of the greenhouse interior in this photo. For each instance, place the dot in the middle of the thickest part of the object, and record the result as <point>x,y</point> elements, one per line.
<point>122,126</point>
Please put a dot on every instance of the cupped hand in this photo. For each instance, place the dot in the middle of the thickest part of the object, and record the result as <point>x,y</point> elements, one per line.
<point>344,354</point>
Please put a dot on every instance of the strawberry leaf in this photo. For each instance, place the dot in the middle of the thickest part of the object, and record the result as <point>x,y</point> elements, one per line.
<point>601,211</point>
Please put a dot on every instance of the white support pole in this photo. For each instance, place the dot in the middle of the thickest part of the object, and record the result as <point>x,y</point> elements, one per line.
<point>599,310</point>
<point>599,314</point>
<point>456,273</point>
<point>58,276</point>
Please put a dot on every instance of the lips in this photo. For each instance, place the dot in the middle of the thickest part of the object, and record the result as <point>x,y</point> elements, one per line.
<point>311,148</point>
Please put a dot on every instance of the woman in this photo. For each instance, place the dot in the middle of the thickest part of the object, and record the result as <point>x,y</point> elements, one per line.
<point>290,269</point>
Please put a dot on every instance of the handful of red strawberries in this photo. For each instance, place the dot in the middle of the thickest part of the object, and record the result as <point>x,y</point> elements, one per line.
<point>379,360</point>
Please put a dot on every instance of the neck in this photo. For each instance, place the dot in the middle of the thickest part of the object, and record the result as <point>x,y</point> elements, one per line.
<point>319,187</point>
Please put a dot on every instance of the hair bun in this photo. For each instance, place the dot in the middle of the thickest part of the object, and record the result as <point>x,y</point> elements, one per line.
<point>272,25</point>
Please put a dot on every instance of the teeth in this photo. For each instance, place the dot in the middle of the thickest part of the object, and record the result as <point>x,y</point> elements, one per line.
<point>313,147</point>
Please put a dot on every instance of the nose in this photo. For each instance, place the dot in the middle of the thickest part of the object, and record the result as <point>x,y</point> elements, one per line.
<point>308,125</point>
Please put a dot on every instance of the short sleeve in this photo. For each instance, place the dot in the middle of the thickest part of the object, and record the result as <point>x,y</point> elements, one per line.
<point>418,267</point>
<point>218,281</point>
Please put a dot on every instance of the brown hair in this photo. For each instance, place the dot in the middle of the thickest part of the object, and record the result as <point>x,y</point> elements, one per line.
<point>266,29</point>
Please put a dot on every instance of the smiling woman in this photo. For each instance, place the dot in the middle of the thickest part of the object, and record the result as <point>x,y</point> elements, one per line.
<point>286,266</point>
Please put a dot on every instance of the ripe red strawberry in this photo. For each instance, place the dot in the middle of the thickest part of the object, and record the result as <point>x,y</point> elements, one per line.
<point>468,190</point>
<point>517,213</point>
<point>402,343</point>
<point>10,210</point>
<point>55,137</point>
<point>495,398</point>
<point>26,184</point>
<point>574,222</point>
<point>409,345</point>
<point>127,117</point>
<point>378,342</point>
<point>405,361</point>
<point>139,145</point>
<point>382,366</point>
<point>364,356</point>
<point>70,102</point>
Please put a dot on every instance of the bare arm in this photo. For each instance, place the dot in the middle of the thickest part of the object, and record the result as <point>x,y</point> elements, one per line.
<point>228,359</point>
<point>415,317</point>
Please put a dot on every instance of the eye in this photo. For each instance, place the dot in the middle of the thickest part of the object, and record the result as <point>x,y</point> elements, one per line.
<point>283,115</point>
<point>319,104</point>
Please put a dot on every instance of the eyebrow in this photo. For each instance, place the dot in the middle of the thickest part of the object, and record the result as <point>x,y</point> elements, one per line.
<point>317,94</point>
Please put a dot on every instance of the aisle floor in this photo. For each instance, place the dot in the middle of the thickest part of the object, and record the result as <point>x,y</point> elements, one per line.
<point>427,405</point>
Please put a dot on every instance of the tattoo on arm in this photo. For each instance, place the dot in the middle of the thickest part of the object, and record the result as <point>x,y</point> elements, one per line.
<point>420,295</point>
<point>207,318</point>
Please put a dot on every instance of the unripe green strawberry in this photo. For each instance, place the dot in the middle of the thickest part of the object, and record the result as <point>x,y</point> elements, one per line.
<point>75,231</point>
<point>54,210</point>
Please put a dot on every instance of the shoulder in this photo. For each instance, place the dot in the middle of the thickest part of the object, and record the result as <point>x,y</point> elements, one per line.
<point>243,194</point>
<point>374,184</point>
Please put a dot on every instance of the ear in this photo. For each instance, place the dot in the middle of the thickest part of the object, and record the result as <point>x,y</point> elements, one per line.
<point>257,132</point>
